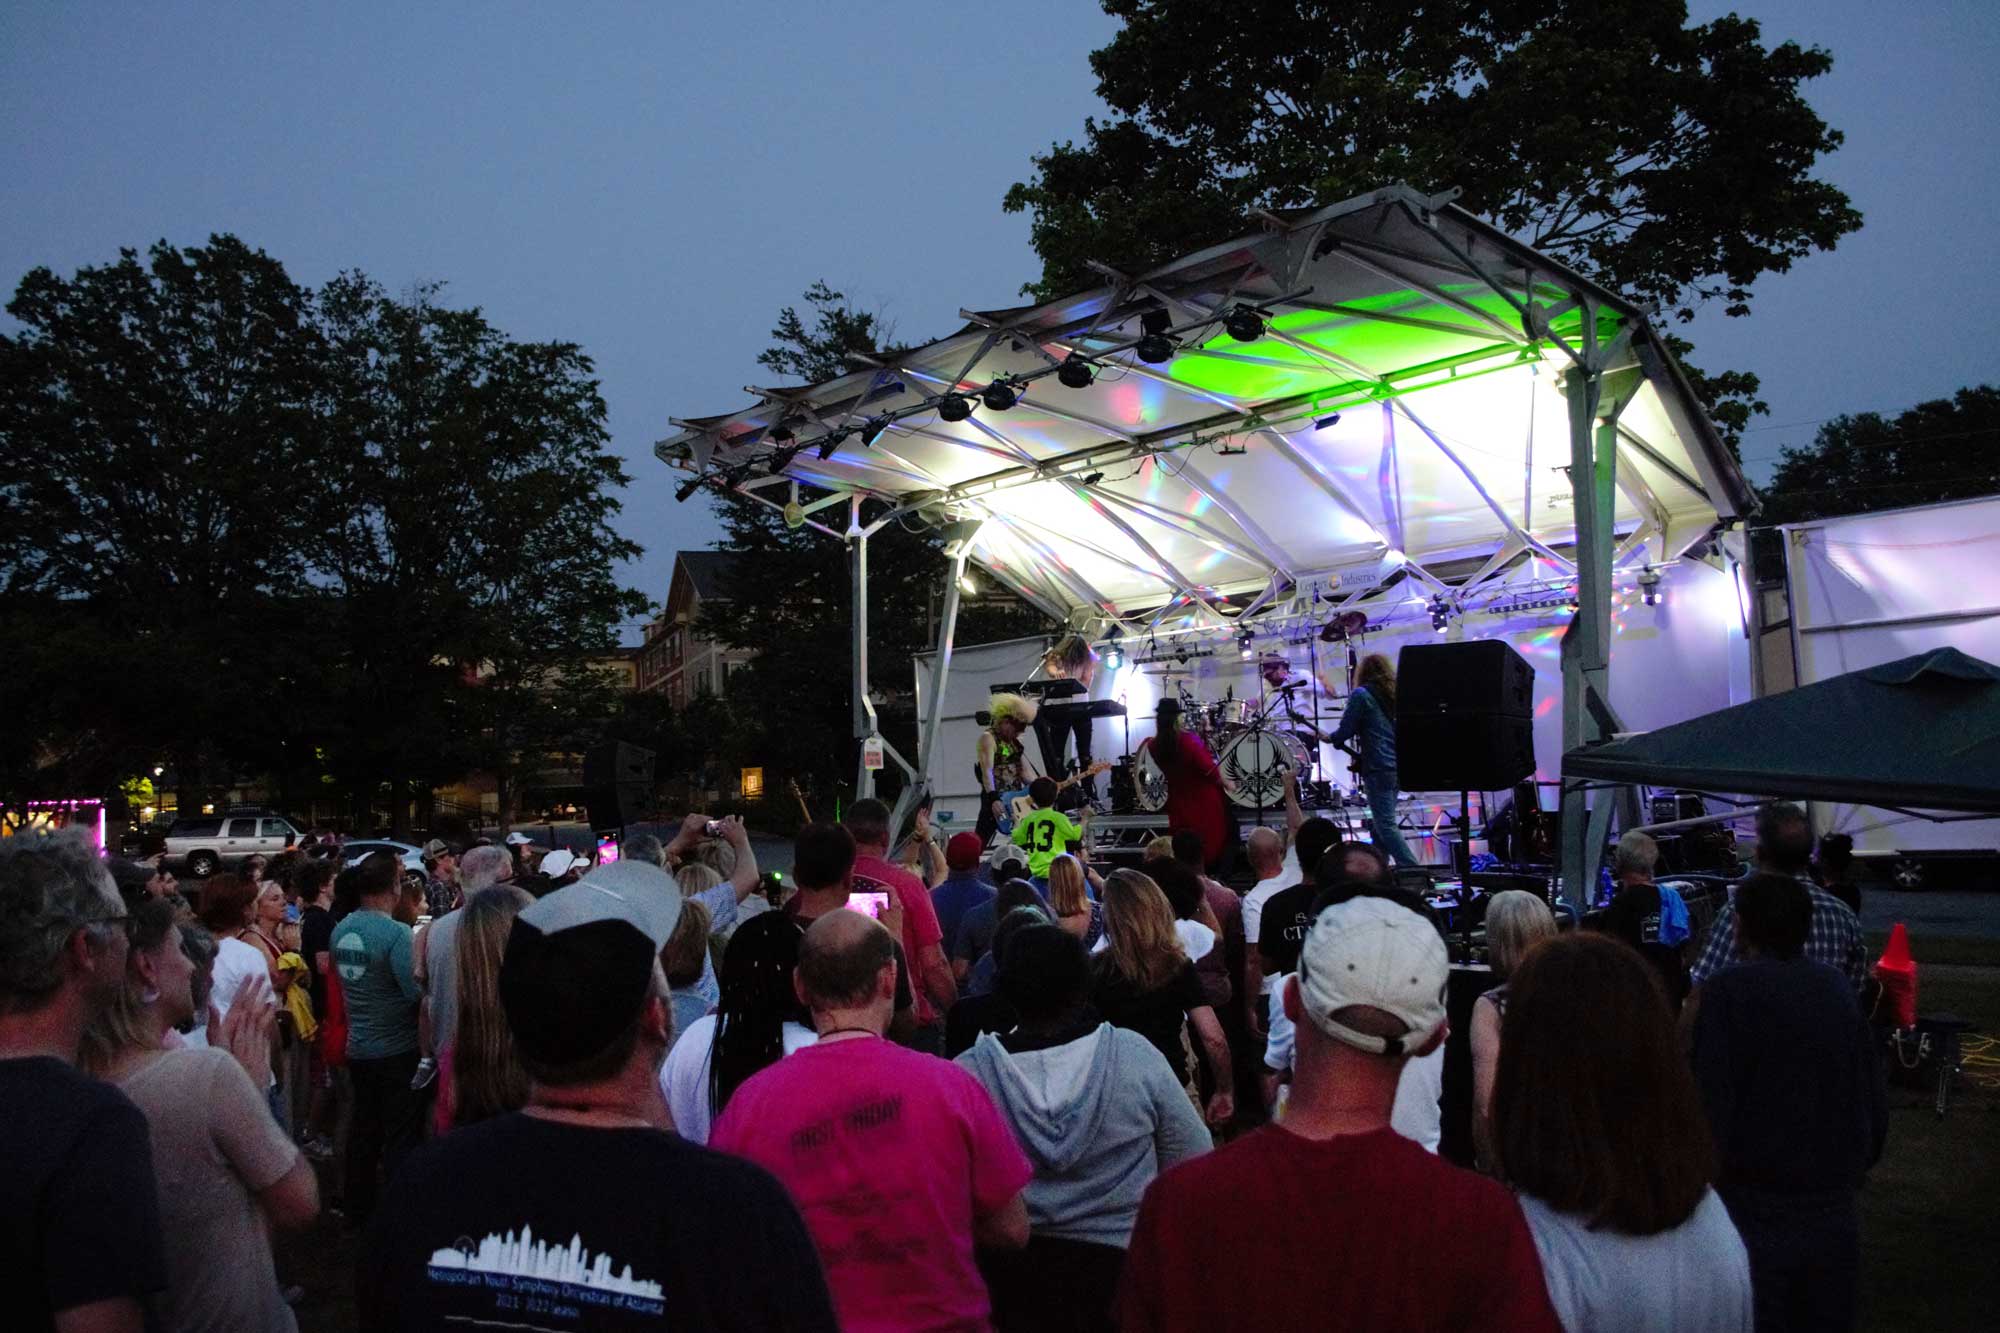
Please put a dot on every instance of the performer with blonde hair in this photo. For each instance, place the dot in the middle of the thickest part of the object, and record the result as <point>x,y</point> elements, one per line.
<point>1070,658</point>
<point>1001,763</point>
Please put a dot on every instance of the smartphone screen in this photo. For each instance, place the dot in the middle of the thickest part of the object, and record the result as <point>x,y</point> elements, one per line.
<point>872,904</point>
<point>607,851</point>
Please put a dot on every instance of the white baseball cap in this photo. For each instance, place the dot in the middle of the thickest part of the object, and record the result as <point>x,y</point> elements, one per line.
<point>559,862</point>
<point>517,839</point>
<point>1370,951</point>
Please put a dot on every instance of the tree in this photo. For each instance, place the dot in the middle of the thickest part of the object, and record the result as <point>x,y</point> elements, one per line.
<point>1945,449</point>
<point>158,422</point>
<point>1670,161</point>
<point>473,557</point>
<point>790,598</point>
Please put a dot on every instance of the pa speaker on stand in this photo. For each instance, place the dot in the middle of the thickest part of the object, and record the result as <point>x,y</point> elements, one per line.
<point>1465,722</point>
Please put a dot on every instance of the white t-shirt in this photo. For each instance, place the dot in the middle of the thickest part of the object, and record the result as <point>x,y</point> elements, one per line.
<point>1262,892</point>
<point>235,961</point>
<point>1694,1277</point>
<point>1416,1114</point>
<point>684,1076</point>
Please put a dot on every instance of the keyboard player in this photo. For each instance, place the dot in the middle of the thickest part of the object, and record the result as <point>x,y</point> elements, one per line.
<point>1072,659</point>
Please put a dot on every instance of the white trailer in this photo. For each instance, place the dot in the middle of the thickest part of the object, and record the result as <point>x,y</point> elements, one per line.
<point>1871,588</point>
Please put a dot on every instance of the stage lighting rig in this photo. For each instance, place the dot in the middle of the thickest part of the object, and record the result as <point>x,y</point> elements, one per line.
<point>1075,372</point>
<point>871,430</point>
<point>1156,345</point>
<point>1649,585</point>
<point>780,459</point>
<point>1000,395</point>
<point>689,487</point>
<point>954,407</point>
<point>1114,650</point>
<point>832,441</point>
<point>1327,422</point>
<point>1440,613</point>
<point>1244,638</point>
<point>1244,323</point>
<point>785,431</point>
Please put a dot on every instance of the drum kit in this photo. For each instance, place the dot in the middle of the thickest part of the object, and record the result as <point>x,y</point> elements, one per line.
<point>1253,751</point>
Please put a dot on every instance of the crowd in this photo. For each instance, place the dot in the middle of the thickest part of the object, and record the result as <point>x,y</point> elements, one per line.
<point>925,1088</point>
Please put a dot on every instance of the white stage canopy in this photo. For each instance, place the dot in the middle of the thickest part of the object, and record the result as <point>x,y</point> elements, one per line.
<point>1404,406</point>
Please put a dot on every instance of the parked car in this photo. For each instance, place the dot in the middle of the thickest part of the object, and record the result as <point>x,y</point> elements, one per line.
<point>204,844</point>
<point>352,852</point>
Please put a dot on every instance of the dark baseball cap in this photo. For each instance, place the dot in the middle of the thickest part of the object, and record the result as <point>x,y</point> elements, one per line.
<point>579,962</point>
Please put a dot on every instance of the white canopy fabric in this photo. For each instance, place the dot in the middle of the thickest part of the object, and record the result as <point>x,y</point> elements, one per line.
<point>1403,408</point>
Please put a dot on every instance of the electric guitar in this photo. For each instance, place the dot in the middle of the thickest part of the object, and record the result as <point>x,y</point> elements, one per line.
<point>799,796</point>
<point>1016,803</point>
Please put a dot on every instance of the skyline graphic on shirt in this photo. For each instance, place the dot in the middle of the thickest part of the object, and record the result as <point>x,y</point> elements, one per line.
<point>524,1256</point>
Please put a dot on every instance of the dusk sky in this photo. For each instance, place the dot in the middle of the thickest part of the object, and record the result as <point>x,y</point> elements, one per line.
<point>655,181</point>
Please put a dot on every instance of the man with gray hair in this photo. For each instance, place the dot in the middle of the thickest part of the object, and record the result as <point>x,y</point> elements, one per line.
<point>79,1210</point>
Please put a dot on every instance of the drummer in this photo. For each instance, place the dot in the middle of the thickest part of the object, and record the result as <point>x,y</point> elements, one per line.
<point>1302,695</point>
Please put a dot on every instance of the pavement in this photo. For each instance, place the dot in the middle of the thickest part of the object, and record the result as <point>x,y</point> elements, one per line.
<point>1964,914</point>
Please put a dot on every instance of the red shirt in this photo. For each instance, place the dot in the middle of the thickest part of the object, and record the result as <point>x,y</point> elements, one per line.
<point>920,923</point>
<point>1194,793</point>
<point>1361,1231</point>
<point>890,1155</point>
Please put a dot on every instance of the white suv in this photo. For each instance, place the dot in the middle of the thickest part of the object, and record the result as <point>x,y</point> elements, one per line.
<point>204,844</point>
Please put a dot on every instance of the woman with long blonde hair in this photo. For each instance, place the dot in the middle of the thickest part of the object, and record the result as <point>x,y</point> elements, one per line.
<point>1141,979</point>
<point>483,1076</point>
<point>1069,898</point>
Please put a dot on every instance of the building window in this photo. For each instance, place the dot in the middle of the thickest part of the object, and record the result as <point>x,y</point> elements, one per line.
<point>753,784</point>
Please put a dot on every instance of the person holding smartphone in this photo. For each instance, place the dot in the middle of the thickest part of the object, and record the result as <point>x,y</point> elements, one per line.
<point>823,873</point>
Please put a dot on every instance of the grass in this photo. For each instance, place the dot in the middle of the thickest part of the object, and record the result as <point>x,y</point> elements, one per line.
<point>1931,1198</point>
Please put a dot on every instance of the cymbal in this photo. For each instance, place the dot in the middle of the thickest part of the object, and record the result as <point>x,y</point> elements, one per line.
<point>1343,626</point>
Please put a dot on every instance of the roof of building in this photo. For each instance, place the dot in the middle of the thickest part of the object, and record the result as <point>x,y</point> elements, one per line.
<point>707,571</point>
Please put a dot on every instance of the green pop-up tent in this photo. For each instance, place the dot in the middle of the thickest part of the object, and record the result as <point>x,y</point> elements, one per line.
<point>1920,732</point>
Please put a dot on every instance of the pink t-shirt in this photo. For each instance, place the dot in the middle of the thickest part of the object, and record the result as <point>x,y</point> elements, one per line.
<point>920,923</point>
<point>890,1154</point>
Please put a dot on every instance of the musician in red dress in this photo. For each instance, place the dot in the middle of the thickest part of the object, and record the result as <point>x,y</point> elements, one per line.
<point>1194,784</point>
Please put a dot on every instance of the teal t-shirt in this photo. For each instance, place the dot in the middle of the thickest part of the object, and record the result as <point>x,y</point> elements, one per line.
<point>372,952</point>
<point>1046,834</point>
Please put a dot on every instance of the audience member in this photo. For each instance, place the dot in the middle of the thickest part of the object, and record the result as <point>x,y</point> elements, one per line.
<point>479,1075</point>
<point>442,891</point>
<point>1219,973</point>
<point>1264,850</point>
<point>560,868</point>
<point>964,885</point>
<point>1100,1114</point>
<point>1652,918</point>
<point>1834,870</point>
<point>1200,933</point>
<point>1792,1083</point>
<point>372,955</point>
<point>579,1201</point>
<point>436,967</point>
<point>1045,832</point>
<point>759,1021</point>
<point>898,1159</point>
<point>932,984</point>
<point>223,1166</point>
<point>1293,900</point>
<point>1142,980</point>
<point>1784,847</point>
<point>228,903</point>
<point>1337,1221</point>
<point>1070,901</point>
<point>687,963</point>
<point>1516,921</point>
<point>980,931</point>
<point>988,1010</point>
<point>80,1240</point>
<point>1597,1127</point>
<point>823,869</point>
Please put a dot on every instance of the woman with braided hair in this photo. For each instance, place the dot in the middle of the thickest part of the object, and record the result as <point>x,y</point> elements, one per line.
<point>758,1023</point>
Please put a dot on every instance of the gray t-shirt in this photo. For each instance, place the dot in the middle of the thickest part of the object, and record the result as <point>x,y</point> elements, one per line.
<point>372,952</point>
<point>215,1146</point>
<point>441,976</point>
<point>1692,1279</point>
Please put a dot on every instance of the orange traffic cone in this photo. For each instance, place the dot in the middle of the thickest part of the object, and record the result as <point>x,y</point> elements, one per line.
<point>1897,971</point>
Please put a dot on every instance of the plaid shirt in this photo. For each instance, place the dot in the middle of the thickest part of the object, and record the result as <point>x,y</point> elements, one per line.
<point>440,896</point>
<point>1833,938</point>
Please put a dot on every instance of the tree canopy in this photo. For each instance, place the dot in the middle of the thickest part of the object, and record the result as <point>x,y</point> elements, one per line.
<point>335,536</point>
<point>1672,162</point>
<point>1945,449</point>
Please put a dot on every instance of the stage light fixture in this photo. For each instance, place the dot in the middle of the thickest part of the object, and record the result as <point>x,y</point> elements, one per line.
<point>1092,478</point>
<point>1075,372</point>
<point>781,459</point>
<point>785,431</point>
<point>954,407</point>
<point>1649,585</point>
<point>999,396</point>
<point>1244,638</point>
<point>1114,650</point>
<point>872,429</point>
<point>1440,613</point>
<point>687,488</point>
<point>966,585</point>
<point>1243,324</point>
<point>1156,345</point>
<point>832,441</point>
<point>1327,422</point>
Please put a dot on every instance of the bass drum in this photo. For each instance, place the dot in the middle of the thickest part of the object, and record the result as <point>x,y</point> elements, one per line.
<point>1149,784</point>
<point>1254,767</point>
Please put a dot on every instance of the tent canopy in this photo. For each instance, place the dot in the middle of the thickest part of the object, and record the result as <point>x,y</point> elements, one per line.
<point>1923,731</point>
<point>1402,410</point>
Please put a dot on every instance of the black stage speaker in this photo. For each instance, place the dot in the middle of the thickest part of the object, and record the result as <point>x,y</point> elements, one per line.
<point>1464,716</point>
<point>616,762</point>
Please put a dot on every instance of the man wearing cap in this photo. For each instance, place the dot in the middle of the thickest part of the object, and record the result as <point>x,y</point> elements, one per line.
<point>441,893</point>
<point>898,1159</point>
<point>580,1211</point>
<point>1338,1221</point>
<point>963,886</point>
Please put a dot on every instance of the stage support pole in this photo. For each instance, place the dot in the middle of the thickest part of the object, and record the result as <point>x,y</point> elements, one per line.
<point>1596,395</point>
<point>864,707</point>
<point>933,719</point>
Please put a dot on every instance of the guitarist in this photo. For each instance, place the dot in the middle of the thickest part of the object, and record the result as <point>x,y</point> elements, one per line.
<point>1001,764</point>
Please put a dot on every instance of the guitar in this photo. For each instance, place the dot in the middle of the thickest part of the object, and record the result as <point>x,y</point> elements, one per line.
<point>799,796</point>
<point>1016,803</point>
